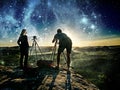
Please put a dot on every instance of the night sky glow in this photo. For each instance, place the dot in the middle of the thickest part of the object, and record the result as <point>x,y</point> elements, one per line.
<point>84,21</point>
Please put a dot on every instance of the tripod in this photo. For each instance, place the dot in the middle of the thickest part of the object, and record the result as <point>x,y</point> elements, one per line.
<point>35,51</point>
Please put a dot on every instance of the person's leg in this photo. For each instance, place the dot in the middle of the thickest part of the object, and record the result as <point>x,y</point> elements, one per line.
<point>68,60</point>
<point>26,61</point>
<point>69,48</point>
<point>60,50</point>
<point>26,58</point>
<point>58,59</point>
<point>21,60</point>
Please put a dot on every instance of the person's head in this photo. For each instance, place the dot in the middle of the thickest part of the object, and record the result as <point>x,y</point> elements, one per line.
<point>23,32</point>
<point>59,31</point>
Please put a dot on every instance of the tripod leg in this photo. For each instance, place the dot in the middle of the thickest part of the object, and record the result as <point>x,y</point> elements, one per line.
<point>35,51</point>
<point>31,48</point>
<point>40,50</point>
<point>53,52</point>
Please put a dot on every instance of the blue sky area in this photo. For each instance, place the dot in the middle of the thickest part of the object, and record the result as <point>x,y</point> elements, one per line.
<point>82,20</point>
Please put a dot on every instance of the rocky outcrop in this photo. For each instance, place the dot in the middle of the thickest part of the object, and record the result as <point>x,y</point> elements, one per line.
<point>42,79</point>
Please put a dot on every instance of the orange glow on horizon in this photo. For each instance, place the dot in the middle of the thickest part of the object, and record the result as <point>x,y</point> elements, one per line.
<point>103,42</point>
<point>78,43</point>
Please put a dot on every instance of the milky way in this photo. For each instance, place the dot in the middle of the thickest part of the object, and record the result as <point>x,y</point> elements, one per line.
<point>78,18</point>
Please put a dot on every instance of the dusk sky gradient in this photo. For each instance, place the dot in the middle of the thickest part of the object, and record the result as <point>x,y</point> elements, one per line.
<point>86,22</point>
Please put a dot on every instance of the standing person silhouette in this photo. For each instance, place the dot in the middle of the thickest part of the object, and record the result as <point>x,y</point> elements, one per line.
<point>64,43</point>
<point>24,47</point>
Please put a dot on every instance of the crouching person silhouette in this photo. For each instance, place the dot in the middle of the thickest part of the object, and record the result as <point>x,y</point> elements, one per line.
<point>24,47</point>
<point>64,43</point>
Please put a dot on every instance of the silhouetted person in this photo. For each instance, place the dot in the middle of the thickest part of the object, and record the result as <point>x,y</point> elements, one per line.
<point>24,47</point>
<point>64,43</point>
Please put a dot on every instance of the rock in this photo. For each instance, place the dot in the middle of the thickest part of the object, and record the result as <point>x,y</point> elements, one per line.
<point>44,79</point>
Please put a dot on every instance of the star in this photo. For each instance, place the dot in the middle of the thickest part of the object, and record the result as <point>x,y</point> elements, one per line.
<point>84,20</point>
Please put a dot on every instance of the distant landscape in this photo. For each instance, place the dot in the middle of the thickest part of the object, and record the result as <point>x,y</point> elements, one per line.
<point>99,64</point>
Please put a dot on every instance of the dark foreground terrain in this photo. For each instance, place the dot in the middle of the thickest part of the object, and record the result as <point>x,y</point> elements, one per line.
<point>97,65</point>
<point>43,79</point>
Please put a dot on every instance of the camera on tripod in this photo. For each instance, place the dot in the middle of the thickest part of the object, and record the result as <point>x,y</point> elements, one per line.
<point>34,37</point>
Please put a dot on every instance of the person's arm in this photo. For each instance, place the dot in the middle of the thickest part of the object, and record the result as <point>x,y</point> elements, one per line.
<point>19,41</point>
<point>54,39</point>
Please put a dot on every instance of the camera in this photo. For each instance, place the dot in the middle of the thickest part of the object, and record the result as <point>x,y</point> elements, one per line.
<point>34,37</point>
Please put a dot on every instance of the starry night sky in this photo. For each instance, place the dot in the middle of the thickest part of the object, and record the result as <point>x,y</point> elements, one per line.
<point>80,19</point>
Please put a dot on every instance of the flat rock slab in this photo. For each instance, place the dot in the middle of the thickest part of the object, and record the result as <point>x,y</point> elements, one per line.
<point>43,79</point>
<point>66,80</point>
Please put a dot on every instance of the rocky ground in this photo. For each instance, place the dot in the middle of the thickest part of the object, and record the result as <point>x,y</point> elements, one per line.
<point>12,78</point>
